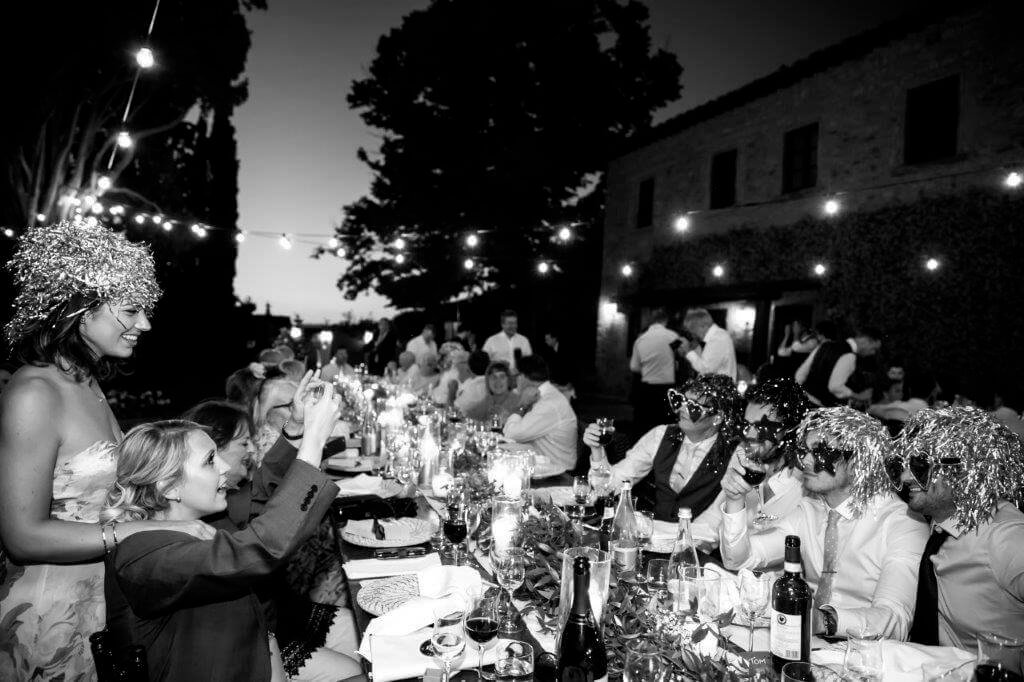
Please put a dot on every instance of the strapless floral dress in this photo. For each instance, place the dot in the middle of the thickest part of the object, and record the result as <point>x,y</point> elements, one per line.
<point>48,611</point>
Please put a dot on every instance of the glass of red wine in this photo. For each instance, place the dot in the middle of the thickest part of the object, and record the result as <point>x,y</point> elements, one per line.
<point>1000,658</point>
<point>605,430</point>
<point>754,473</point>
<point>456,529</point>
<point>482,627</point>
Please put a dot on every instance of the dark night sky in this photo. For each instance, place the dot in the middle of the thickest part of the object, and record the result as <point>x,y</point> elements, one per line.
<point>297,139</point>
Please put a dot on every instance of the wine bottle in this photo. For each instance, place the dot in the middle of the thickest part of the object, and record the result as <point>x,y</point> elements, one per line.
<point>103,656</point>
<point>135,667</point>
<point>684,555</point>
<point>606,507</point>
<point>581,653</point>
<point>625,539</point>
<point>790,628</point>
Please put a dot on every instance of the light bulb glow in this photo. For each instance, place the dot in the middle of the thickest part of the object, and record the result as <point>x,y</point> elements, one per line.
<point>40,217</point>
<point>400,258</point>
<point>239,236</point>
<point>1013,180</point>
<point>140,218</point>
<point>201,232</point>
<point>340,252</point>
<point>157,219</point>
<point>168,226</point>
<point>831,207</point>
<point>91,221</point>
<point>399,243</point>
<point>295,333</point>
<point>819,269</point>
<point>9,233</point>
<point>96,208</point>
<point>682,223</point>
<point>472,240</point>
<point>932,264</point>
<point>468,263</point>
<point>565,234</point>
<point>627,270</point>
<point>543,267</point>
<point>88,200</point>
<point>104,183</point>
<point>144,58</point>
<point>284,242</point>
<point>332,243</point>
<point>117,209</point>
<point>124,140</point>
<point>718,271</point>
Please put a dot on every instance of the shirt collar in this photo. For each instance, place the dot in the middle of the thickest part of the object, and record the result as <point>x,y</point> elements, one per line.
<point>546,389</point>
<point>845,508</point>
<point>949,526</point>
<point>710,331</point>
<point>702,444</point>
<point>853,344</point>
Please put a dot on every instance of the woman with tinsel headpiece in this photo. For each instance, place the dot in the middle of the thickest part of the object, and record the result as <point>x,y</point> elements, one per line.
<point>860,547</point>
<point>965,471</point>
<point>766,458</point>
<point>84,295</point>
<point>688,458</point>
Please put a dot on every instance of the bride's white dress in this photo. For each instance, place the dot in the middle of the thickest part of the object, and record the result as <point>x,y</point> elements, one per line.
<point>47,612</point>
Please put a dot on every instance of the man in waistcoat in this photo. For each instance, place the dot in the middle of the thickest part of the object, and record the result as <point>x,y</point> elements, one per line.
<point>687,459</point>
<point>827,373</point>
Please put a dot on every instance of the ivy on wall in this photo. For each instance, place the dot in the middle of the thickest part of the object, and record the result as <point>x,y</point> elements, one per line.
<point>965,319</point>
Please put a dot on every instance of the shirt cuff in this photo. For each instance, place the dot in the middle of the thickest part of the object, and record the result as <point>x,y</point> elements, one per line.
<point>734,524</point>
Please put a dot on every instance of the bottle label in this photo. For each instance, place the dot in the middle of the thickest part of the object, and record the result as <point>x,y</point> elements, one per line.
<point>784,635</point>
<point>792,567</point>
<point>624,558</point>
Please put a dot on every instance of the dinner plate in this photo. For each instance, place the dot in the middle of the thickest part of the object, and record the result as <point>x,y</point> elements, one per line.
<point>379,596</point>
<point>400,533</point>
<point>351,465</point>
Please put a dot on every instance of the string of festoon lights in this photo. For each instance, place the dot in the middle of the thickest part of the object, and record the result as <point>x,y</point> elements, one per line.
<point>830,206</point>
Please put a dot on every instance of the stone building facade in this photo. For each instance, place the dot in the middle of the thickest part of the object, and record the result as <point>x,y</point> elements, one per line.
<point>923,107</point>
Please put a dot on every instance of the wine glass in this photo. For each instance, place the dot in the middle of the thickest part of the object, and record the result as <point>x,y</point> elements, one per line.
<point>600,476</point>
<point>482,626</point>
<point>456,529</point>
<point>474,515</point>
<point>754,593</point>
<point>754,473</point>
<point>657,582</point>
<point>581,490</point>
<point>643,664</point>
<point>999,657</point>
<point>605,430</point>
<point>644,529</point>
<point>514,662</point>
<point>510,570</point>
<point>449,639</point>
<point>496,424</point>
<point>863,660</point>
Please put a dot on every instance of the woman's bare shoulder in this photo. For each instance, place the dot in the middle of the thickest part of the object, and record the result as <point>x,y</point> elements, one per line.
<point>34,386</point>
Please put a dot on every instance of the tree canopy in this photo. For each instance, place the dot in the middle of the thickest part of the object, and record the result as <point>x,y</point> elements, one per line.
<point>494,118</point>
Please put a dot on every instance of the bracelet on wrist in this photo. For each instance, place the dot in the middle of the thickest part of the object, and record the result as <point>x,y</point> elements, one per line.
<point>289,436</point>
<point>103,536</point>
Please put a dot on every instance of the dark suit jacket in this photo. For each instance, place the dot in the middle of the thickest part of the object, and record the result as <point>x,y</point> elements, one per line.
<point>191,602</point>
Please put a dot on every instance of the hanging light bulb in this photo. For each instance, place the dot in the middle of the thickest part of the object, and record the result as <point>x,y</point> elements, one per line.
<point>682,223</point>
<point>103,183</point>
<point>831,207</point>
<point>9,233</point>
<point>564,234</point>
<point>144,58</point>
<point>40,217</point>
<point>124,140</point>
<point>117,209</point>
<point>718,270</point>
<point>157,219</point>
<point>543,267</point>
<point>91,221</point>
<point>468,263</point>
<point>932,264</point>
<point>295,332</point>
<point>819,269</point>
<point>284,242</point>
<point>332,243</point>
<point>168,226</point>
<point>627,270</point>
<point>340,252</point>
<point>472,240</point>
<point>399,243</point>
<point>88,200</point>
<point>240,236</point>
<point>201,232</point>
<point>140,218</point>
<point>400,258</point>
<point>96,208</point>
<point>1013,180</point>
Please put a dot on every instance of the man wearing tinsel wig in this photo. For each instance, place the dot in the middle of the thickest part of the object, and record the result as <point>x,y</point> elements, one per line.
<point>965,471</point>
<point>860,545</point>
<point>765,457</point>
<point>689,458</point>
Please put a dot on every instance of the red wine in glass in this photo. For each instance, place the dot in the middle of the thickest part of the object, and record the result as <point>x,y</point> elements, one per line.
<point>987,672</point>
<point>605,431</point>
<point>753,476</point>
<point>455,530</point>
<point>481,629</point>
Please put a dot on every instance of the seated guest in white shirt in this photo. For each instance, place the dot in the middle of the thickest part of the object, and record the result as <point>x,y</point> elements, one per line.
<point>473,390</point>
<point>443,392</point>
<point>408,371</point>
<point>427,378</point>
<point>774,410</point>
<point>423,345</point>
<point>860,545</point>
<point>718,356</point>
<point>965,471</point>
<point>689,458</point>
<point>544,419</point>
<point>503,346</point>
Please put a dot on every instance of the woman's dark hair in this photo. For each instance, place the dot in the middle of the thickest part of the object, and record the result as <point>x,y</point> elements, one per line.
<point>241,386</point>
<point>221,419</point>
<point>57,340</point>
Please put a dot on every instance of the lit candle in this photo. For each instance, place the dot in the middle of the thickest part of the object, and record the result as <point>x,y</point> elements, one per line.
<point>513,484</point>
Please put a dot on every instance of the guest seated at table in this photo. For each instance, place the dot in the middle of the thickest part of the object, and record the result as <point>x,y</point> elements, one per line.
<point>270,412</point>
<point>270,358</point>
<point>688,458</point>
<point>500,398</point>
<point>316,640</point>
<point>408,371</point>
<point>774,409</point>
<point>860,544</point>
<point>443,393</point>
<point>473,388</point>
<point>293,369</point>
<point>427,378</point>
<point>544,418</point>
<point>920,385</point>
<point>965,471</point>
<point>338,366</point>
<point>193,603</point>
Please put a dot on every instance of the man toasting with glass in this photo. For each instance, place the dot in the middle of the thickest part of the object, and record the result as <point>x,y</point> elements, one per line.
<point>860,545</point>
<point>688,458</point>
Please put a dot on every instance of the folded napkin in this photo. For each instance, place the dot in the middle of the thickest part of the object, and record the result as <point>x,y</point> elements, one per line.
<point>394,529</point>
<point>361,569</point>
<point>363,484</point>
<point>901,661</point>
<point>443,589</point>
<point>399,657</point>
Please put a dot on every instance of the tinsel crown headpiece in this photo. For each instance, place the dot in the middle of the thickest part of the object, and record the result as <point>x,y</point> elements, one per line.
<point>54,263</point>
<point>991,455</point>
<point>787,397</point>
<point>844,428</point>
<point>720,392</point>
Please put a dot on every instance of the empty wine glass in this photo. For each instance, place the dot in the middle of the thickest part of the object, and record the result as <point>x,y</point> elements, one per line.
<point>657,582</point>
<point>581,490</point>
<point>643,664</point>
<point>644,528</point>
<point>510,570</point>
<point>449,639</point>
<point>755,591</point>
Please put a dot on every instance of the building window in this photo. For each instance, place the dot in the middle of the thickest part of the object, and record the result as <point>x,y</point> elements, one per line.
<point>933,114</point>
<point>645,203</point>
<point>800,158</point>
<point>723,179</point>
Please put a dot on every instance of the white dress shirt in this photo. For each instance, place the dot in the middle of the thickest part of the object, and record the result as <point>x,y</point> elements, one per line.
<point>841,371</point>
<point>407,378</point>
<point>549,427</point>
<point>501,348</point>
<point>639,461</point>
<point>470,393</point>
<point>718,355</point>
<point>980,579</point>
<point>786,486</point>
<point>875,585</point>
<point>439,394</point>
<point>421,348</point>
<point>653,358</point>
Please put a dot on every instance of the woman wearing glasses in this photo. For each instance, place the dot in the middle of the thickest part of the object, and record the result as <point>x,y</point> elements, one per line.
<point>688,458</point>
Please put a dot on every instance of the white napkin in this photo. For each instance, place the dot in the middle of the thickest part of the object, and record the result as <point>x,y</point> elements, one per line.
<point>399,658</point>
<point>363,484</point>
<point>394,529</point>
<point>442,589</point>
<point>343,458</point>
<point>559,494</point>
<point>901,661</point>
<point>362,569</point>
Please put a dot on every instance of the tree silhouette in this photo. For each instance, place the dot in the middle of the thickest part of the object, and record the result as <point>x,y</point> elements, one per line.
<point>496,118</point>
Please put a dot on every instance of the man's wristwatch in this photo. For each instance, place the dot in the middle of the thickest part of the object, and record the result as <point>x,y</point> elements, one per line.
<point>828,616</point>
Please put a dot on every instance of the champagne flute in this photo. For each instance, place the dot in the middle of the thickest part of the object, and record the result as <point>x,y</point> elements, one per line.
<point>754,593</point>
<point>449,639</point>
<point>510,570</point>
<point>482,626</point>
